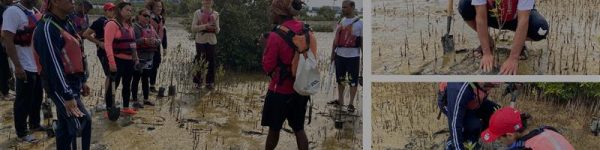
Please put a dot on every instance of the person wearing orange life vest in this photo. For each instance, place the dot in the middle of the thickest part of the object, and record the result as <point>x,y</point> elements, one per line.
<point>120,44</point>
<point>347,49</point>
<point>515,15</point>
<point>205,24</point>
<point>148,43</point>
<point>157,9</point>
<point>468,110</point>
<point>60,61</point>
<point>508,126</point>
<point>19,21</point>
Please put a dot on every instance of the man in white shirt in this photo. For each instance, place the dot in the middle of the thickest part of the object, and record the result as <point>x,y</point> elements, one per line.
<point>515,15</point>
<point>17,32</point>
<point>347,48</point>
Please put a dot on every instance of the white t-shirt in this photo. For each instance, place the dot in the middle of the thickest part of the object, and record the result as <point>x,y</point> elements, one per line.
<point>356,31</point>
<point>522,5</point>
<point>14,18</point>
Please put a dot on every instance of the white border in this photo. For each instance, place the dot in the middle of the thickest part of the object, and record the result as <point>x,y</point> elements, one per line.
<point>367,74</point>
<point>484,78</point>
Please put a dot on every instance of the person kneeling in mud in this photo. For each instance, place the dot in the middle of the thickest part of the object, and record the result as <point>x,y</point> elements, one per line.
<point>347,48</point>
<point>508,125</point>
<point>58,46</point>
<point>468,110</point>
<point>279,59</point>
<point>515,15</point>
<point>148,43</point>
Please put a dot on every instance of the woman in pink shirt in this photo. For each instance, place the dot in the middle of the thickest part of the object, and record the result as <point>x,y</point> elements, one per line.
<point>119,41</point>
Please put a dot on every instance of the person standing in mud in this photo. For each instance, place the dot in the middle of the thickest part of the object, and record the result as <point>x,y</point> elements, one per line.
<point>468,110</point>
<point>157,10</point>
<point>515,15</point>
<point>95,34</point>
<point>18,23</point>
<point>119,41</point>
<point>148,43</point>
<point>5,71</point>
<point>206,26</point>
<point>282,101</point>
<point>57,45</point>
<point>508,125</point>
<point>346,53</point>
<point>81,21</point>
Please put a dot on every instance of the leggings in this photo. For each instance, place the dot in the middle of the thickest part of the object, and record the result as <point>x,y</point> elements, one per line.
<point>125,73</point>
<point>155,64</point>
<point>143,75</point>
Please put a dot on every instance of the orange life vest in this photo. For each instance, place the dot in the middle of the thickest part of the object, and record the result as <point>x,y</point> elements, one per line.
<point>24,37</point>
<point>206,18</point>
<point>345,38</point>
<point>507,9</point>
<point>71,54</point>
<point>546,138</point>
<point>148,33</point>
<point>125,44</point>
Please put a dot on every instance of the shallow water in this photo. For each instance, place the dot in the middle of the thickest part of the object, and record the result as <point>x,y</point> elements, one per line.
<point>226,118</point>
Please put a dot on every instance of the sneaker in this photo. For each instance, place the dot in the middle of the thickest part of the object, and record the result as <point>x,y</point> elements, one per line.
<point>137,105</point>
<point>28,139</point>
<point>351,108</point>
<point>37,128</point>
<point>153,89</point>
<point>128,111</point>
<point>333,102</point>
<point>147,102</point>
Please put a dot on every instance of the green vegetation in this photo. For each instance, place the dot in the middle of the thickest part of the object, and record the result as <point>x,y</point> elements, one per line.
<point>570,91</point>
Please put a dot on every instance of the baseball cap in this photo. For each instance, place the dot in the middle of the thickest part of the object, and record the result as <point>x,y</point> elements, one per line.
<point>505,120</point>
<point>108,6</point>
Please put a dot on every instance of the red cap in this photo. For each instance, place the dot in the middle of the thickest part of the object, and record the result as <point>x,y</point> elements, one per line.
<point>109,6</point>
<point>505,120</point>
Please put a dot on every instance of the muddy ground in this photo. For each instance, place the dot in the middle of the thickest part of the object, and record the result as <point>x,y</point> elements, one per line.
<point>226,118</point>
<point>405,117</point>
<point>407,39</point>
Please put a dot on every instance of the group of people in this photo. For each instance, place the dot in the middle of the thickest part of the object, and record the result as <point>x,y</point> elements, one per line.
<point>280,59</point>
<point>47,55</point>
<point>473,116</point>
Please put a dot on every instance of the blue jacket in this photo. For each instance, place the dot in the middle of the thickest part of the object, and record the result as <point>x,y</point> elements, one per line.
<point>459,94</point>
<point>48,45</point>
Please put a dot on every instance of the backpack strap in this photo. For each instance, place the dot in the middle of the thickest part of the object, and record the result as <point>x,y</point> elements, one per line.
<point>520,143</point>
<point>287,35</point>
<point>29,14</point>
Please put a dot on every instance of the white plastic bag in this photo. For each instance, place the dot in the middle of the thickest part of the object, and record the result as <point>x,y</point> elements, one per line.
<point>308,78</point>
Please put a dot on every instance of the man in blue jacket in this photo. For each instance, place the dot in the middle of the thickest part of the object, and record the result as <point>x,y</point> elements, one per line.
<point>64,82</point>
<point>468,110</point>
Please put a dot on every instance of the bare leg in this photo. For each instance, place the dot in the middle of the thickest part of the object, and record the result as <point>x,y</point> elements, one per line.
<point>341,89</point>
<point>301,140</point>
<point>353,90</point>
<point>272,139</point>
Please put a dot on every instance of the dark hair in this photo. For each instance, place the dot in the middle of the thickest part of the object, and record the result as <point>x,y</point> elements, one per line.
<point>351,3</point>
<point>85,3</point>
<point>118,10</point>
<point>152,3</point>
<point>524,118</point>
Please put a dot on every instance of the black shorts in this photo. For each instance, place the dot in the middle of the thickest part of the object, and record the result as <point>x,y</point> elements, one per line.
<point>104,62</point>
<point>279,107</point>
<point>347,66</point>
<point>537,22</point>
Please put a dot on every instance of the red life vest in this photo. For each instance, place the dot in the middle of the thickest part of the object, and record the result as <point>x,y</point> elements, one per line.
<point>148,33</point>
<point>206,18</point>
<point>507,9</point>
<point>345,38</point>
<point>158,25</point>
<point>71,54</point>
<point>546,138</point>
<point>125,44</point>
<point>24,37</point>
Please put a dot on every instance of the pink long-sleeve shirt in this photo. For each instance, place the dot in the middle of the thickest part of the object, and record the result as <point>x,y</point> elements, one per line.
<point>111,32</point>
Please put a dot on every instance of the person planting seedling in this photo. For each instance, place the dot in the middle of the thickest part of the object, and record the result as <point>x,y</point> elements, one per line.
<point>508,125</point>
<point>519,16</point>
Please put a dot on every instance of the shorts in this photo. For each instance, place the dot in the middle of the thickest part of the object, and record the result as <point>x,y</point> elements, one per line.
<point>347,66</point>
<point>279,107</point>
<point>537,22</point>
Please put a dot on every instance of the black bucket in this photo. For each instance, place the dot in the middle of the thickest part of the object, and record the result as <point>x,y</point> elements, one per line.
<point>161,92</point>
<point>339,124</point>
<point>172,90</point>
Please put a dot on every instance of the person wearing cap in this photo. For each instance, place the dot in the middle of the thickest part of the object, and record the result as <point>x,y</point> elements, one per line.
<point>95,34</point>
<point>282,101</point>
<point>57,45</point>
<point>468,110</point>
<point>205,25</point>
<point>519,16</point>
<point>508,126</point>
